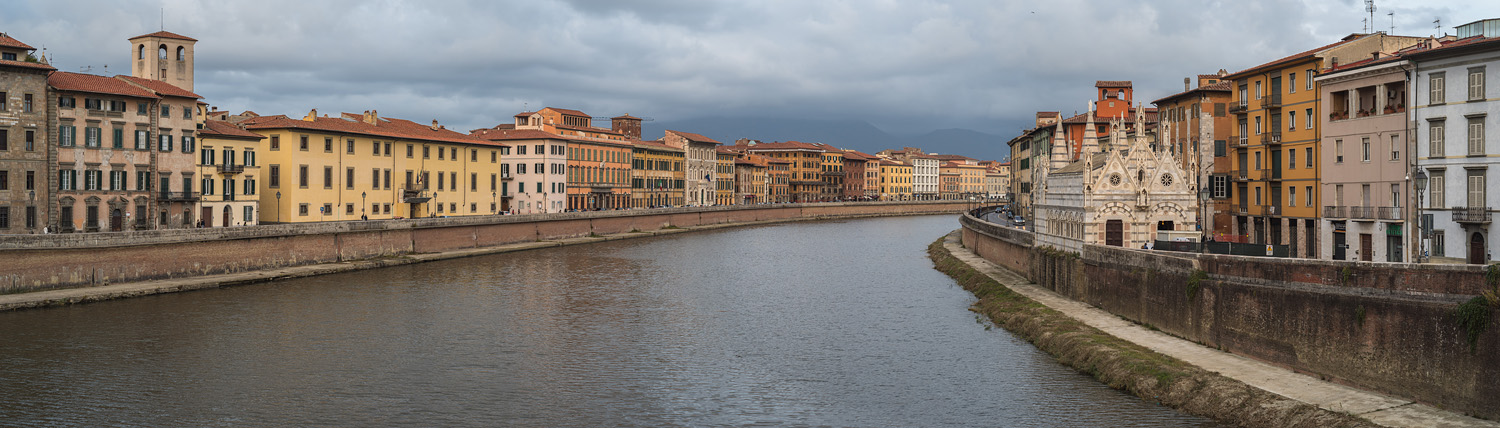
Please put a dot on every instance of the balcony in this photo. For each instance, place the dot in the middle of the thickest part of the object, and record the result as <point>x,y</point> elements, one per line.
<point>179,196</point>
<point>228,197</point>
<point>415,196</point>
<point>506,176</point>
<point>1239,140</point>
<point>1273,101</point>
<point>1273,137</point>
<point>1243,175</point>
<point>1271,174</point>
<point>1471,215</point>
<point>1361,213</point>
<point>231,169</point>
<point>1335,212</point>
<point>1240,108</point>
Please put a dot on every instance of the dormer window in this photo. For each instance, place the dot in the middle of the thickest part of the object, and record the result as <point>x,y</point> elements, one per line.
<point>8,56</point>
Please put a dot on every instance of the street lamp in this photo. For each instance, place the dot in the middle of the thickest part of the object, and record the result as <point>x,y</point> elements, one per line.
<point>32,225</point>
<point>362,212</point>
<point>494,203</point>
<point>278,206</point>
<point>1204,195</point>
<point>1419,182</point>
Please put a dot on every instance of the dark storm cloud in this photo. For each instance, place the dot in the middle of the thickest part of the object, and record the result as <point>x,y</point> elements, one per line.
<point>903,65</point>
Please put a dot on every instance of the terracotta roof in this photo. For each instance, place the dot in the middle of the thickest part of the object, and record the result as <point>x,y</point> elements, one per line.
<point>785,145</point>
<point>568,111</point>
<point>222,129</point>
<point>1210,76</point>
<point>1112,83</point>
<point>161,88</point>
<point>387,127</point>
<point>525,114</point>
<point>1129,117</point>
<point>655,145</point>
<point>167,35</point>
<point>24,64</point>
<point>506,134</point>
<point>1476,42</point>
<point>10,42</point>
<point>1222,86</point>
<point>65,81</point>
<point>1285,60</point>
<point>694,137</point>
<point>625,116</point>
<point>858,155</point>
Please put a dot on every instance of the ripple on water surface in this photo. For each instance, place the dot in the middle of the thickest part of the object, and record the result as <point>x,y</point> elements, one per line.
<point>800,324</point>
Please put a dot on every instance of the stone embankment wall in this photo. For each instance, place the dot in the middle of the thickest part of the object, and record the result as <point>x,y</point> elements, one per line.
<point>44,262</point>
<point>1387,327</point>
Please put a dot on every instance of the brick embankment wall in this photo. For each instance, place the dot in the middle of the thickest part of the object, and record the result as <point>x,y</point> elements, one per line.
<point>1386,327</point>
<point>45,262</point>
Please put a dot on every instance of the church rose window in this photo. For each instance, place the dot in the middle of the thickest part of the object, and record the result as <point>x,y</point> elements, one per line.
<point>1166,179</point>
<point>1114,179</point>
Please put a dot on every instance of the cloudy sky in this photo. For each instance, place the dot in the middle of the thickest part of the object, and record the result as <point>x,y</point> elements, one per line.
<point>905,66</point>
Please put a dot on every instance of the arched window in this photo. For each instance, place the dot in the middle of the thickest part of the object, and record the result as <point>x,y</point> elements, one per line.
<point>181,53</point>
<point>140,52</point>
<point>161,52</point>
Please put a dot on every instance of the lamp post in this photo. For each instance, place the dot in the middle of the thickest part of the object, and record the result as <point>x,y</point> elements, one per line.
<point>1204,196</point>
<point>32,225</point>
<point>494,203</point>
<point>278,206</point>
<point>362,214</point>
<point>1419,183</point>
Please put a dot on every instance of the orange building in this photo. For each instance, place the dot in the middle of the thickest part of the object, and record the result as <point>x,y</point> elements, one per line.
<point>1196,123</point>
<point>804,168</point>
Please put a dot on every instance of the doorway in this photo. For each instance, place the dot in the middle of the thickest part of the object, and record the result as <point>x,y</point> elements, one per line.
<point>1114,233</point>
<point>116,220</point>
<point>208,216</point>
<point>1339,245</point>
<point>227,215</point>
<point>1476,249</point>
<point>1366,247</point>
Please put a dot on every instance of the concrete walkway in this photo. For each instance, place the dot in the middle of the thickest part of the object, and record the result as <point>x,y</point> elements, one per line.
<point>1377,408</point>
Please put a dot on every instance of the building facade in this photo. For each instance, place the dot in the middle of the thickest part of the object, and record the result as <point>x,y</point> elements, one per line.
<point>1366,167</point>
<point>699,164</point>
<point>657,178</point>
<point>1457,141</point>
<point>1196,123</point>
<point>227,163</point>
<point>24,139</point>
<point>107,142</point>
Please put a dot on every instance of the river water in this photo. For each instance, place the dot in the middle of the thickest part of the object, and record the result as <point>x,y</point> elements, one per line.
<point>839,323</point>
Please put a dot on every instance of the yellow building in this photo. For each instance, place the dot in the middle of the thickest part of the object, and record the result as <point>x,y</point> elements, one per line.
<point>724,177</point>
<point>322,168</point>
<point>895,180</point>
<point>228,165</point>
<point>1274,147</point>
<point>832,174</point>
<point>805,167</point>
<point>656,175</point>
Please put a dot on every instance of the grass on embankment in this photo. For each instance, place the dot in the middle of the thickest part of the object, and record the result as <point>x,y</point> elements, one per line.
<point>1126,366</point>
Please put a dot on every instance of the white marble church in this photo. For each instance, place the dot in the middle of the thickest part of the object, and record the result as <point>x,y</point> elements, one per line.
<point>1120,192</point>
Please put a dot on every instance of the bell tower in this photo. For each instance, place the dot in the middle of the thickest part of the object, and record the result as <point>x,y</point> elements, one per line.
<point>163,56</point>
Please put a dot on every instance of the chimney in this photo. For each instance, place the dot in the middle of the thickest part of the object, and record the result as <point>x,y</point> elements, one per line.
<point>311,115</point>
<point>434,126</point>
<point>1186,81</point>
<point>371,117</point>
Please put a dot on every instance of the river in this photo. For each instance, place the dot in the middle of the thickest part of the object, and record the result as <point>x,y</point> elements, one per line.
<point>834,323</point>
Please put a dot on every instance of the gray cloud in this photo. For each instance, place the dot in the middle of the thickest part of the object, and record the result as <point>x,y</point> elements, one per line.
<point>907,66</point>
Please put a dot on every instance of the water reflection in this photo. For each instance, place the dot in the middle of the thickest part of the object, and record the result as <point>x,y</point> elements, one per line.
<point>807,324</point>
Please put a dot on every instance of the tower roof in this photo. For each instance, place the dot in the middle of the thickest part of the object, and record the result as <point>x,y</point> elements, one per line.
<point>7,41</point>
<point>165,35</point>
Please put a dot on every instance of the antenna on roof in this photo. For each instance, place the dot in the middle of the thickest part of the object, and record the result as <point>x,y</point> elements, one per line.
<point>1437,26</point>
<point>1370,7</point>
<point>1393,21</point>
<point>161,19</point>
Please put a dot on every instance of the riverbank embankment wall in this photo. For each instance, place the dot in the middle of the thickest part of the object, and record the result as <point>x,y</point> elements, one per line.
<point>47,262</point>
<point>1387,327</point>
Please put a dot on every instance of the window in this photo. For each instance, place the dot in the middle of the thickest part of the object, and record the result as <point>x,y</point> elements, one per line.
<point>1338,151</point>
<point>440,153</point>
<point>376,147</point>
<point>1257,196</point>
<point>1476,188</point>
<point>327,209</point>
<point>1291,86</point>
<point>118,141</point>
<point>1257,160</point>
<point>1476,84</point>
<point>520,168</point>
<point>1291,194</point>
<point>91,136</point>
<point>1291,119</point>
<point>164,143</point>
<point>26,103</point>
<point>1395,147</point>
<point>189,143</point>
<point>1291,158</point>
<point>30,180</point>
<point>327,177</point>
<point>275,142</point>
<point>1309,120</point>
<point>350,149</point>
<point>521,149</point>
<point>187,113</point>
<point>494,157</point>
<point>30,140</point>
<point>473,155</point>
<point>327,144</point>
<point>1476,136</point>
<point>1364,144</point>
<point>302,209</point>
<point>349,208</point>
<point>66,135</point>
<point>302,176</point>
<point>387,148</point>
<point>249,214</point>
<point>1437,185</point>
<point>1257,125</point>
<point>140,108</point>
<point>374,178</point>
<point>440,181</point>
<point>166,110</point>
<point>1396,195</point>
<point>426,152</point>
<point>67,102</point>
<point>408,151</point>
<point>302,143</point>
<point>1257,90</point>
<point>1437,242</point>
<point>91,180</point>
<point>473,182</point>
<point>274,177</point>
<point>1435,88</point>
<point>1435,133</point>
<point>1308,191</point>
<point>349,178</point>
<point>1309,81</point>
<point>208,186</point>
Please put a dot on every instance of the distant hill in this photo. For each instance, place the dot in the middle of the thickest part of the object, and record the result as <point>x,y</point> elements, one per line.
<point>848,134</point>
